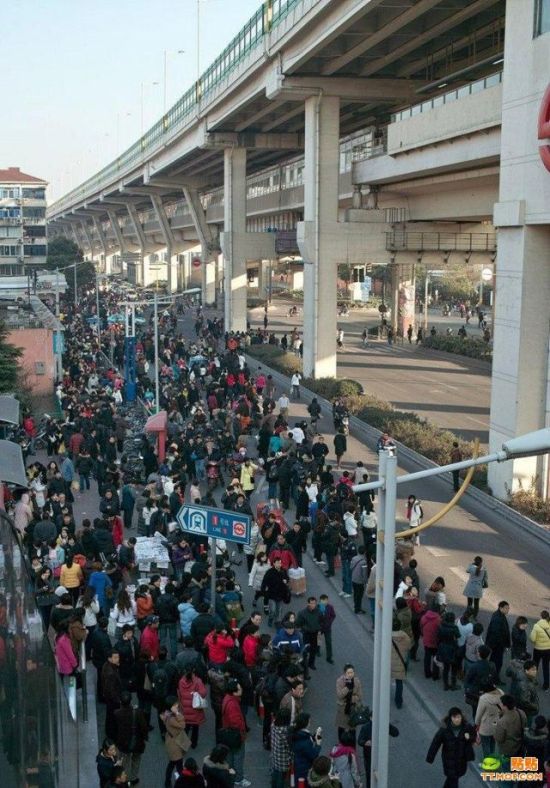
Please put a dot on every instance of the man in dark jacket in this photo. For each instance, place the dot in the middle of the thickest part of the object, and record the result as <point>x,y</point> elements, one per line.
<point>112,689</point>
<point>480,674</point>
<point>498,636</point>
<point>131,735</point>
<point>128,649</point>
<point>275,589</point>
<point>100,647</point>
<point>310,621</point>
<point>204,623</point>
<point>166,607</point>
<point>109,506</point>
<point>103,538</point>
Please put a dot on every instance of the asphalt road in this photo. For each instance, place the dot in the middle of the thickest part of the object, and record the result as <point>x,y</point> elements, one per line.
<point>453,392</point>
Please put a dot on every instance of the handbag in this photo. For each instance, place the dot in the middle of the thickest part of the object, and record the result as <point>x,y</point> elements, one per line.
<point>360,715</point>
<point>199,702</point>
<point>485,581</point>
<point>231,737</point>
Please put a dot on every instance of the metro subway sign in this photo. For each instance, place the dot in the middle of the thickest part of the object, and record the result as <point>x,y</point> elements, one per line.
<point>544,129</point>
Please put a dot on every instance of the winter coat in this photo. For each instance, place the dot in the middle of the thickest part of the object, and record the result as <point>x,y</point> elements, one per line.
<point>509,732</point>
<point>257,574</point>
<point>274,585</point>
<point>540,635</point>
<point>187,615</point>
<point>186,688</point>
<point>149,642</point>
<point>488,712</point>
<point>457,749</point>
<point>405,619</point>
<point>175,724</point>
<point>447,648</point>
<point>402,642</point>
<point>429,626</point>
<point>131,725</point>
<point>474,586</point>
<point>218,646</point>
<point>285,553</point>
<point>523,688</point>
<point>305,750</point>
<point>342,692</point>
<point>325,781</point>
<point>340,444</point>
<point>498,631</point>
<point>477,676</point>
<point>217,775</point>
<point>232,715</point>
<point>344,760</point>
<point>100,582</point>
<point>64,655</point>
<point>23,513</point>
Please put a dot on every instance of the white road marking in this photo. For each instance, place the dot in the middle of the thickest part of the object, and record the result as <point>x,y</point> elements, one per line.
<point>435,551</point>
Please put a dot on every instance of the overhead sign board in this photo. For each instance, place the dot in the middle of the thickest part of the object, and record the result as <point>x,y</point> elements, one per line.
<point>215,523</point>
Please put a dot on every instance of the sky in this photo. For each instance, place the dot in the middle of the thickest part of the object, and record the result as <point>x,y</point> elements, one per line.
<point>72,74</point>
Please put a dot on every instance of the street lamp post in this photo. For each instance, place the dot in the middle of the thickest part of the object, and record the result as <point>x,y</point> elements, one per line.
<point>156,343</point>
<point>529,445</point>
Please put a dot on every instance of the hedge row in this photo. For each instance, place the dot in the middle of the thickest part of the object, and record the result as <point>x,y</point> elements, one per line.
<point>462,346</point>
<point>406,427</point>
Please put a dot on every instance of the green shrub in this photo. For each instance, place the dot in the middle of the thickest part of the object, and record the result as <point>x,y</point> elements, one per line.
<point>530,503</point>
<point>286,363</point>
<point>473,348</point>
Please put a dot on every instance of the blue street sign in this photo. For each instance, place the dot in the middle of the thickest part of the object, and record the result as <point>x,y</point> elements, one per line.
<point>215,523</point>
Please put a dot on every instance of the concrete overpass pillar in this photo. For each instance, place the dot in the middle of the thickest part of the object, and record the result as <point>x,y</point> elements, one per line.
<point>322,164</point>
<point>234,232</point>
<point>520,399</point>
<point>209,245</point>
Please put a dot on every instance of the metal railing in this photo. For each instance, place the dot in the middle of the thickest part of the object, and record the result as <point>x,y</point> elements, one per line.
<point>448,98</point>
<point>267,17</point>
<point>440,242</point>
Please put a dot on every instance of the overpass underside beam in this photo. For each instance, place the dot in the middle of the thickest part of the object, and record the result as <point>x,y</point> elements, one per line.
<point>209,246</point>
<point>238,246</point>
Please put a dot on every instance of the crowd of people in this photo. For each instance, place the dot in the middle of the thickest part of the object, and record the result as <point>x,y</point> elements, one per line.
<point>167,655</point>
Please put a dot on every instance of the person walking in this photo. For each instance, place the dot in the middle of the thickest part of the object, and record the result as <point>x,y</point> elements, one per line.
<point>401,644</point>
<point>456,456</point>
<point>111,688</point>
<point>349,694</point>
<point>359,575</point>
<point>487,716</point>
<point>310,621</point>
<point>540,638</point>
<point>275,589</point>
<point>509,728</point>
<point>176,741</point>
<point>280,758</point>
<point>478,580</point>
<point>305,746</point>
<point>295,385</point>
<point>328,615</point>
<point>340,446</point>
<point>447,649</point>
<point>131,735</point>
<point>498,636</point>
<point>190,689</point>
<point>344,759</point>
<point>233,720</point>
<point>455,738</point>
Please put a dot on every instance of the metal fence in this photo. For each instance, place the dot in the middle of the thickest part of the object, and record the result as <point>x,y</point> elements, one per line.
<point>444,242</point>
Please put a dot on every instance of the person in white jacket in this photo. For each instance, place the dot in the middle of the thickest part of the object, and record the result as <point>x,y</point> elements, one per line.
<point>250,549</point>
<point>255,579</point>
<point>123,612</point>
<point>487,716</point>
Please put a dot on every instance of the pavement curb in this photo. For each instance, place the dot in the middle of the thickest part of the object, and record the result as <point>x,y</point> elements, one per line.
<point>413,461</point>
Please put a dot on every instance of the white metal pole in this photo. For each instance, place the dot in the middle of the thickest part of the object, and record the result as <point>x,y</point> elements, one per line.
<point>213,547</point>
<point>97,311</point>
<point>156,339</point>
<point>381,514</point>
<point>426,284</point>
<point>386,615</point>
<point>58,358</point>
<point>198,40</point>
<point>75,285</point>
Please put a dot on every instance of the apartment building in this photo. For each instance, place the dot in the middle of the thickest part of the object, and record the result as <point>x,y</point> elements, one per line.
<point>23,245</point>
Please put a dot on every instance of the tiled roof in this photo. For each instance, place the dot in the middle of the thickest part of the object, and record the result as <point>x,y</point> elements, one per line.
<point>14,175</point>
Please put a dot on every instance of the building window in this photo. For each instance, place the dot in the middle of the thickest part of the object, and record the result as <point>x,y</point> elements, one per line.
<point>34,213</point>
<point>8,251</point>
<point>35,194</point>
<point>10,213</point>
<point>542,17</point>
<point>9,193</point>
<point>35,251</point>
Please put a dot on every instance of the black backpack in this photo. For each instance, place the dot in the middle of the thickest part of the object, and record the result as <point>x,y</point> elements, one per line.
<point>159,684</point>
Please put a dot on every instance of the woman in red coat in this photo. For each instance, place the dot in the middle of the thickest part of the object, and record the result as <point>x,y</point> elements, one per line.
<point>218,644</point>
<point>251,647</point>
<point>188,685</point>
<point>233,718</point>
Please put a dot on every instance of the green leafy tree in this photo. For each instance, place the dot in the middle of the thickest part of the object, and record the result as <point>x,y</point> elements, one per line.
<point>9,366</point>
<point>62,252</point>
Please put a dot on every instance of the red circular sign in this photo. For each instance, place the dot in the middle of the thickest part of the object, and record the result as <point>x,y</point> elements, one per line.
<point>239,529</point>
<point>196,262</point>
<point>544,129</point>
